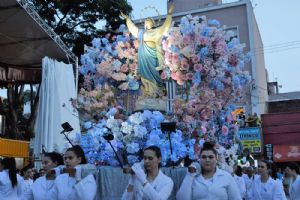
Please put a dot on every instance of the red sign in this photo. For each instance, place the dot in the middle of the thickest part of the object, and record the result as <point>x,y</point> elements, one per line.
<point>286,153</point>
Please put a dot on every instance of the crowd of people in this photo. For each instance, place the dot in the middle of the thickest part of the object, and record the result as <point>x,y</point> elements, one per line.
<point>62,179</point>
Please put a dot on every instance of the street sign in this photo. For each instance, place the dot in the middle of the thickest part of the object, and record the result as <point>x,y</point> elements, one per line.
<point>250,138</point>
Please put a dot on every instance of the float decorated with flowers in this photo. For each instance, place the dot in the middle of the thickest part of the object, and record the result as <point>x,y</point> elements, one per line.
<point>206,62</point>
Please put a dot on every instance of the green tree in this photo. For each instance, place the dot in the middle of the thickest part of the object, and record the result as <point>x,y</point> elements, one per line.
<point>75,21</point>
<point>19,126</point>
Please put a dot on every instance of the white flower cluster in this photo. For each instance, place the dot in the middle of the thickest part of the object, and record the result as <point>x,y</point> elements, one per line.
<point>126,128</point>
<point>136,118</point>
<point>112,122</point>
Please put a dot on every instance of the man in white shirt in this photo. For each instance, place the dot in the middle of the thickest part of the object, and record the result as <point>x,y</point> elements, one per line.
<point>248,179</point>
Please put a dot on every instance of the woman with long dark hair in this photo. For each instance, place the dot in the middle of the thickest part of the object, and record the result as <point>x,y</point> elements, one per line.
<point>264,187</point>
<point>71,185</point>
<point>211,182</point>
<point>44,185</point>
<point>146,180</point>
<point>10,188</point>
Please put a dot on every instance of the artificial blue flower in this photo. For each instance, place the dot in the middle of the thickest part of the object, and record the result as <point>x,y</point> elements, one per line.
<point>214,22</point>
<point>197,78</point>
<point>96,42</point>
<point>87,125</point>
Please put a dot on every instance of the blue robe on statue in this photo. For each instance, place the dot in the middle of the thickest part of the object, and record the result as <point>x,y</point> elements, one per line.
<point>147,61</point>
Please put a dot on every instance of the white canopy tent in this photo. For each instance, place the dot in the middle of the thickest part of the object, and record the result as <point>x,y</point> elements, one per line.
<point>25,39</point>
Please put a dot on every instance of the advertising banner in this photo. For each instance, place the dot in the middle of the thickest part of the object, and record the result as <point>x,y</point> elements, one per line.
<point>250,138</point>
<point>286,153</point>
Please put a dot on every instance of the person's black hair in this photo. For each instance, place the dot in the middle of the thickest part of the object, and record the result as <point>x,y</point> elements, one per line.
<point>156,149</point>
<point>268,164</point>
<point>79,153</point>
<point>24,169</point>
<point>209,146</point>
<point>9,163</point>
<point>239,171</point>
<point>273,171</point>
<point>294,166</point>
<point>55,157</point>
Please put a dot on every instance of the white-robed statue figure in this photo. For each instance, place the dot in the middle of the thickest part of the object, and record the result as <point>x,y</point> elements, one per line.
<point>71,185</point>
<point>150,57</point>
<point>146,181</point>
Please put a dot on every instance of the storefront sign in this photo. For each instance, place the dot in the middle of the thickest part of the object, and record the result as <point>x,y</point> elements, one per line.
<point>250,138</point>
<point>286,153</point>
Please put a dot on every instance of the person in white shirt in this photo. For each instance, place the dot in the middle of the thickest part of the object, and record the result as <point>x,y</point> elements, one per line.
<point>293,170</point>
<point>41,189</point>
<point>27,179</point>
<point>10,183</point>
<point>264,187</point>
<point>238,177</point>
<point>71,185</point>
<point>211,182</point>
<point>248,178</point>
<point>146,181</point>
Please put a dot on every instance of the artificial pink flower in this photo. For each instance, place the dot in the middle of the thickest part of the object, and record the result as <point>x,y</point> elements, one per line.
<point>184,66</point>
<point>133,66</point>
<point>198,67</point>
<point>119,76</point>
<point>173,76</point>
<point>190,76</point>
<point>195,59</point>
<point>225,130</point>
<point>186,40</point>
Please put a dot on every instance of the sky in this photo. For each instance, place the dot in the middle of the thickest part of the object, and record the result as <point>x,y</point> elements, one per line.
<point>278,22</point>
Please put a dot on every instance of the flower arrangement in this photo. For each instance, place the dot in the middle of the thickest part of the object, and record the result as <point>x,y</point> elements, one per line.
<point>111,60</point>
<point>141,129</point>
<point>209,63</point>
<point>201,56</point>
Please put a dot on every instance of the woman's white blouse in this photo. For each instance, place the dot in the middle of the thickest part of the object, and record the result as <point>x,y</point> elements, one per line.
<point>222,187</point>
<point>68,188</point>
<point>7,192</point>
<point>271,190</point>
<point>41,189</point>
<point>241,185</point>
<point>295,189</point>
<point>160,189</point>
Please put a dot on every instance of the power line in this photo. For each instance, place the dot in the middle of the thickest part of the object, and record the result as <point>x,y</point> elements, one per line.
<point>275,50</point>
<point>278,45</point>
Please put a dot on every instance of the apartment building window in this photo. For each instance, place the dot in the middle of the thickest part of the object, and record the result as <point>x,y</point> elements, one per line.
<point>234,32</point>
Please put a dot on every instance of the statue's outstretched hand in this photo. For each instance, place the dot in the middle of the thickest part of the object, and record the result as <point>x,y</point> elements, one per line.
<point>124,16</point>
<point>171,9</point>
